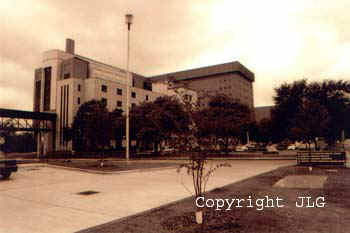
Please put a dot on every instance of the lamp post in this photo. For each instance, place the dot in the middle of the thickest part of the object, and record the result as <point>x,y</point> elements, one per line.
<point>128,21</point>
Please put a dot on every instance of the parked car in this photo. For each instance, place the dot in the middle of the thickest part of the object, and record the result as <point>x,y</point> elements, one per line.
<point>260,147</point>
<point>168,150</point>
<point>291,147</point>
<point>281,147</point>
<point>251,147</point>
<point>241,148</point>
<point>271,148</point>
<point>7,166</point>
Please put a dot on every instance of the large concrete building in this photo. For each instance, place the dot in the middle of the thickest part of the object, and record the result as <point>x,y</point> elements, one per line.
<point>65,80</point>
<point>263,112</point>
<point>232,79</point>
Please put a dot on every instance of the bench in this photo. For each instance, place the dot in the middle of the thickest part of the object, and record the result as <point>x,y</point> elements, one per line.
<point>321,158</point>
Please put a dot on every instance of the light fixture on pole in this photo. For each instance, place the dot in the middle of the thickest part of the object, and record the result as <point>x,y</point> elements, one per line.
<point>128,21</point>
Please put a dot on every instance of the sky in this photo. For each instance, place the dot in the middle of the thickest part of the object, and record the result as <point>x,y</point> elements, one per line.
<point>279,41</point>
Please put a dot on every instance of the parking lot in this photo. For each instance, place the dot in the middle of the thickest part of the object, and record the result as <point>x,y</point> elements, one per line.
<point>44,199</point>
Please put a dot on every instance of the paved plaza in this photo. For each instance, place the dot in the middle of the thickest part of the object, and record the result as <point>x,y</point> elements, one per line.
<point>40,199</point>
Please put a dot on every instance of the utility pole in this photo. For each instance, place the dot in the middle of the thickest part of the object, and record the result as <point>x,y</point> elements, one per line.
<point>128,21</point>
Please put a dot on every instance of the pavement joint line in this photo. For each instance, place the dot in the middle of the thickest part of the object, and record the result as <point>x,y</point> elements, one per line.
<point>59,206</point>
<point>111,172</point>
<point>40,185</point>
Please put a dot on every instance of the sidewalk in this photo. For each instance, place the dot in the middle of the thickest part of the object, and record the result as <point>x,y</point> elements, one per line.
<point>40,199</point>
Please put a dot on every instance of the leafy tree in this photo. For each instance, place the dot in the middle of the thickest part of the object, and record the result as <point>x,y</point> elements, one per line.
<point>262,131</point>
<point>157,121</point>
<point>224,120</point>
<point>287,100</point>
<point>118,126</point>
<point>91,127</point>
<point>67,134</point>
<point>300,105</point>
<point>310,122</point>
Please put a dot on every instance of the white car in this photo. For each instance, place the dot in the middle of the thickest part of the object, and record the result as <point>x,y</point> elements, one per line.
<point>271,148</point>
<point>291,147</point>
<point>241,148</point>
<point>168,150</point>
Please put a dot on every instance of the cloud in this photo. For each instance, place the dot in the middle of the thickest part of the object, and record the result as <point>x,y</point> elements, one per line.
<point>278,40</point>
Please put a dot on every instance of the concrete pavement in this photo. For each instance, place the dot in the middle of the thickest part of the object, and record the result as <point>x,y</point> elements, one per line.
<point>40,199</point>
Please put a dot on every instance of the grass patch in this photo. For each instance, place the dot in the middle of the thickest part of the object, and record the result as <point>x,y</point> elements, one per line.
<point>179,216</point>
<point>110,165</point>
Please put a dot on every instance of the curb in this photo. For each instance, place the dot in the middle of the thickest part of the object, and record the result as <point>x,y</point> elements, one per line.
<point>109,172</point>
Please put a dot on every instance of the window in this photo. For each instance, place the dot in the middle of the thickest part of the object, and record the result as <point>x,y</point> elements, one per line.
<point>104,88</point>
<point>66,75</point>
<point>119,103</point>
<point>104,101</point>
<point>47,88</point>
<point>78,87</point>
<point>37,96</point>
<point>78,100</point>
<point>188,97</point>
<point>147,86</point>
<point>146,97</point>
<point>133,105</point>
<point>119,91</point>
<point>133,94</point>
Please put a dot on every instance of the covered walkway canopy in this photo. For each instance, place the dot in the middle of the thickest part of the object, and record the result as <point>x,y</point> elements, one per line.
<point>17,120</point>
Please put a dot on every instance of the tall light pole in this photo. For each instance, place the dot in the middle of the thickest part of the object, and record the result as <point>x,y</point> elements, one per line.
<point>128,21</point>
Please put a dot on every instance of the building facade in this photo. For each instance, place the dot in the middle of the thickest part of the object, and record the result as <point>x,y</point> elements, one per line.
<point>231,79</point>
<point>66,80</point>
<point>263,112</point>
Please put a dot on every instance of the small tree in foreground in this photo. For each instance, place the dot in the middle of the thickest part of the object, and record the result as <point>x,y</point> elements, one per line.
<point>200,172</point>
<point>196,141</point>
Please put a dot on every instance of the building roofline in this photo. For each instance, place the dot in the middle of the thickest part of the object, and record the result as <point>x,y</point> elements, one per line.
<point>102,63</point>
<point>228,67</point>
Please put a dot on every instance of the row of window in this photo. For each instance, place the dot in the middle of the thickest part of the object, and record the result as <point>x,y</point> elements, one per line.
<point>119,91</point>
<point>119,103</point>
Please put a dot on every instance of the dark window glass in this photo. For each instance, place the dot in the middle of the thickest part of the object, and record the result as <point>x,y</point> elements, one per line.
<point>78,87</point>
<point>37,96</point>
<point>133,105</point>
<point>104,88</point>
<point>133,94</point>
<point>47,88</point>
<point>66,75</point>
<point>147,86</point>
<point>104,101</point>
<point>147,97</point>
<point>78,100</point>
<point>119,103</point>
<point>119,91</point>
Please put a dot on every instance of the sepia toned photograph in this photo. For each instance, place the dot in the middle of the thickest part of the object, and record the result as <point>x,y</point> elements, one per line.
<point>187,116</point>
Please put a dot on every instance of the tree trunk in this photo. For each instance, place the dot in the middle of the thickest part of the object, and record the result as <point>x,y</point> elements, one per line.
<point>316,146</point>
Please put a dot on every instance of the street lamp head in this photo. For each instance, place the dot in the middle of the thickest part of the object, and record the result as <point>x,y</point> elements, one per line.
<point>128,19</point>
